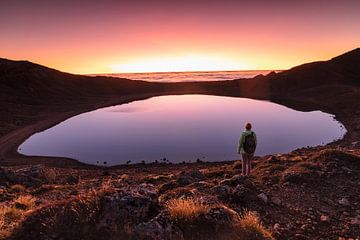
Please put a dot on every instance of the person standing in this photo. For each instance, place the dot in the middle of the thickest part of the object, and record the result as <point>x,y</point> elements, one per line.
<point>247,147</point>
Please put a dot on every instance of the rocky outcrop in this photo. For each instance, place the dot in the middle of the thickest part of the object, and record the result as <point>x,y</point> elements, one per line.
<point>159,228</point>
<point>31,176</point>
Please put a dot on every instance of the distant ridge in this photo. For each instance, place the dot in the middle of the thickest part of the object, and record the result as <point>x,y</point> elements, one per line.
<point>23,81</point>
<point>343,69</point>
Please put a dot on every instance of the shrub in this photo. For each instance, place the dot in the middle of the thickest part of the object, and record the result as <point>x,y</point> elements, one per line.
<point>2,222</point>
<point>185,209</point>
<point>18,188</point>
<point>215,221</point>
<point>9,215</point>
<point>252,228</point>
<point>25,202</point>
<point>237,165</point>
<point>3,232</point>
<point>68,219</point>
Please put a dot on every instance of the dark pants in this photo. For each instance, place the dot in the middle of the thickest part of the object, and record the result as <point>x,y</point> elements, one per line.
<point>246,163</point>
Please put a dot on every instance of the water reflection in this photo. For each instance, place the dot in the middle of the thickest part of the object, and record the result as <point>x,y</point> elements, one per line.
<point>181,128</point>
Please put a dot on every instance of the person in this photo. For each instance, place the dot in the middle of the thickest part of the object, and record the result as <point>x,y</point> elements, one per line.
<point>247,147</point>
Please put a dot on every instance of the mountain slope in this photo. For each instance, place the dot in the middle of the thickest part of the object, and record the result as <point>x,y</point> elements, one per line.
<point>344,69</point>
<point>23,80</point>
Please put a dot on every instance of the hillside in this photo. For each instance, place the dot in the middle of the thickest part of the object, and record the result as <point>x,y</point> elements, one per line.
<point>23,81</point>
<point>343,69</point>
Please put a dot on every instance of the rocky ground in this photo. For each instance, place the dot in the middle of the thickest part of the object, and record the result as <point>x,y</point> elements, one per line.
<point>306,194</point>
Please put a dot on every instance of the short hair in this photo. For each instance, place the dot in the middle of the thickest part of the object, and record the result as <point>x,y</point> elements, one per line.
<point>248,126</point>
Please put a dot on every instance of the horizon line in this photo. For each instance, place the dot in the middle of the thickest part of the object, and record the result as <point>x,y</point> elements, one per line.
<point>249,70</point>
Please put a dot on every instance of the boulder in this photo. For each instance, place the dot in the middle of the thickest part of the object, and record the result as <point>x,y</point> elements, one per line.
<point>32,176</point>
<point>344,202</point>
<point>276,201</point>
<point>263,197</point>
<point>158,228</point>
<point>188,177</point>
<point>272,159</point>
<point>72,179</point>
<point>221,215</point>
<point>221,191</point>
<point>168,186</point>
<point>234,180</point>
<point>240,191</point>
<point>121,210</point>
<point>324,218</point>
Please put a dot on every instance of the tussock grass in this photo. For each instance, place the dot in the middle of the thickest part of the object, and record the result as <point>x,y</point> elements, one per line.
<point>2,221</point>
<point>185,209</point>
<point>3,232</point>
<point>252,228</point>
<point>72,218</point>
<point>18,188</point>
<point>25,202</point>
<point>9,215</point>
<point>237,165</point>
<point>201,221</point>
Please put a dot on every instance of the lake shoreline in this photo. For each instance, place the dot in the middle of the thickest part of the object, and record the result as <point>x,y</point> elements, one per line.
<point>10,142</point>
<point>109,136</point>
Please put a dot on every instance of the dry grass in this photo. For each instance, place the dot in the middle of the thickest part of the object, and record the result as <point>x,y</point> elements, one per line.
<point>18,188</point>
<point>25,202</point>
<point>2,221</point>
<point>9,215</point>
<point>185,209</point>
<point>71,219</point>
<point>251,226</point>
<point>237,165</point>
<point>193,218</point>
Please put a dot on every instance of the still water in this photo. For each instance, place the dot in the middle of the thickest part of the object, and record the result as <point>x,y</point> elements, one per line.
<point>181,128</point>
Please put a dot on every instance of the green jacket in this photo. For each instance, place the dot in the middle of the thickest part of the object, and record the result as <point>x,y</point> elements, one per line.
<point>242,140</point>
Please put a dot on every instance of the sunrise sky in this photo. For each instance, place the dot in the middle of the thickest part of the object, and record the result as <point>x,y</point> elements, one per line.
<point>176,35</point>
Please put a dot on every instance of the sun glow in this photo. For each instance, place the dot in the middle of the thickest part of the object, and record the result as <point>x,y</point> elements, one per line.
<point>177,64</point>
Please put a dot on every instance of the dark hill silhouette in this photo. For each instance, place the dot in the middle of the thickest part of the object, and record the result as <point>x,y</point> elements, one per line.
<point>344,69</point>
<point>28,82</point>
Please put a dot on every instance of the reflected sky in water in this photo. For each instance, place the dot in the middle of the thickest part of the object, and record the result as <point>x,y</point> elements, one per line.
<point>181,128</point>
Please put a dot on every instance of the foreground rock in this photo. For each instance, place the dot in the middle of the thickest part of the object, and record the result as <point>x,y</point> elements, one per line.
<point>107,216</point>
<point>305,194</point>
<point>30,176</point>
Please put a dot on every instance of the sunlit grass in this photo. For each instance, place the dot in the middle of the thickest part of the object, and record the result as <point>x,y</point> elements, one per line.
<point>185,209</point>
<point>18,188</point>
<point>252,226</point>
<point>25,202</point>
<point>9,214</point>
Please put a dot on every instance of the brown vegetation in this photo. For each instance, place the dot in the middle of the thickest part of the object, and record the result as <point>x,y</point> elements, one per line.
<point>183,210</point>
<point>252,227</point>
<point>18,188</point>
<point>25,202</point>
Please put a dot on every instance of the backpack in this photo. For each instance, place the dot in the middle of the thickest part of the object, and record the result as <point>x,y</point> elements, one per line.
<point>250,143</point>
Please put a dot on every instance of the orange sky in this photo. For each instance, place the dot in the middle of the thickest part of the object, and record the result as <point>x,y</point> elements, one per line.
<point>147,36</point>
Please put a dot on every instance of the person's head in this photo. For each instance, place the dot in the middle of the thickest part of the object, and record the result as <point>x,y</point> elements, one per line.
<point>248,126</point>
